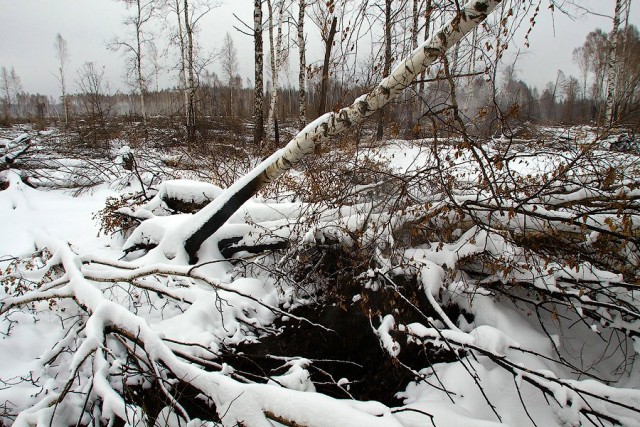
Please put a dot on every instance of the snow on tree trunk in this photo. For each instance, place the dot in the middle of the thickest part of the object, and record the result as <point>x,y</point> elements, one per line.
<point>209,219</point>
<point>610,112</point>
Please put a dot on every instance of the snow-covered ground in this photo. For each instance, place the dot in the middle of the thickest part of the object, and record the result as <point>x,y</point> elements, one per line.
<point>534,341</point>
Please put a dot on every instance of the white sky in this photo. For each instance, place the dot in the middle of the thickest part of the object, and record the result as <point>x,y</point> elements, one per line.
<point>28,29</point>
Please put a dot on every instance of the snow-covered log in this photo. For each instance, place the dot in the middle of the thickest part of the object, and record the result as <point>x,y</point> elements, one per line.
<point>209,219</point>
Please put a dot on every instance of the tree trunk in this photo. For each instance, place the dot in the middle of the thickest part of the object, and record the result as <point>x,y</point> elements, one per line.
<point>191,85</point>
<point>183,64</point>
<point>610,111</point>
<point>324,88</point>
<point>387,62</point>
<point>414,101</point>
<point>258,106</point>
<point>276,51</point>
<point>427,30</point>
<point>207,221</point>
<point>141,82</point>
<point>302,98</point>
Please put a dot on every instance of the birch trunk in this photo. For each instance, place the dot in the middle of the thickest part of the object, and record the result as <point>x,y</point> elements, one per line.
<point>141,81</point>
<point>258,106</point>
<point>276,51</point>
<point>427,31</point>
<point>414,101</point>
<point>207,221</point>
<point>183,63</point>
<point>324,87</point>
<point>612,66</point>
<point>387,62</point>
<point>62,53</point>
<point>302,99</point>
<point>191,86</point>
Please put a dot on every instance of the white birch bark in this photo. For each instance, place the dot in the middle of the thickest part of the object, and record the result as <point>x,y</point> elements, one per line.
<point>258,107</point>
<point>302,100</point>
<point>142,86</point>
<point>207,221</point>
<point>276,60</point>
<point>427,33</point>
<point>191,85</point>
<point>62,53</point>
<point>183,61</point>
<point>612,66</point>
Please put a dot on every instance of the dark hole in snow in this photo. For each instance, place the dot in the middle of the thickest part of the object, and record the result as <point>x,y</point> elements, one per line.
<point>351,350</point>
<point>152,401</point>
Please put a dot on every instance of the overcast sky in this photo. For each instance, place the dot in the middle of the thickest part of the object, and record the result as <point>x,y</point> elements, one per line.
<point>29,27</point>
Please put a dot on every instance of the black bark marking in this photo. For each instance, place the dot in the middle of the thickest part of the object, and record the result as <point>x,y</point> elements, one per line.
<point>286,163</point>
<point>232,245</point>
<point>481,7</point>
<point>215,221</point>
<point>363,107</point>
<point>344,117</point>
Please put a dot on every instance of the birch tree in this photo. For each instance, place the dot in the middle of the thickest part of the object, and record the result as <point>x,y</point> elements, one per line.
<point>258,106</point>
<point>327,21</point>
<point>276,51</point>
<point>612,66</point>
<point>62,55</point>
<point>143,11</point>
<point>387,60</point>
<point>189,69</point>
<point>303,65</point>
<point>11,86</point>
<point>229,66</point>
<point>187,16</point>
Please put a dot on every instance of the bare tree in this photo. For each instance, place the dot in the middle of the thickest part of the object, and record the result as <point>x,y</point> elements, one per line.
<point>303,65</point>
<point>258,106</point>
<point>188,14</point>
<point>135,47</point>
<point>156,64</point>
<point>6,93</point>
<point>62,55</point>
<point>94,91</point>
<point>327,21</point>
<point>612,66</point>
<point>387,59</point>
<point>229,66</point>
<point>189,67</point>
<point>580,58</point>
<point>276,52</point>
<point>11,86</point>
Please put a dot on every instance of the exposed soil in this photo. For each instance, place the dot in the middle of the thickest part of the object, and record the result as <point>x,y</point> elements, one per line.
<point>350,350</point>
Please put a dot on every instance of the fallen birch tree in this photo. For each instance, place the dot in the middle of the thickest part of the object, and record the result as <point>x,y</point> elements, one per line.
<point>208,220</point>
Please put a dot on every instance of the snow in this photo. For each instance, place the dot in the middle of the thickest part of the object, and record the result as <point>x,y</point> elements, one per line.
<point>198,311</point>
<point>384,333</point>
